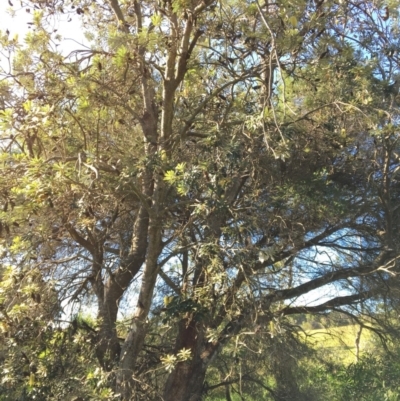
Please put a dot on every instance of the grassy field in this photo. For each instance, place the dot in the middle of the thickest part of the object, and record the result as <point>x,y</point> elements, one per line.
<point>338,343</point>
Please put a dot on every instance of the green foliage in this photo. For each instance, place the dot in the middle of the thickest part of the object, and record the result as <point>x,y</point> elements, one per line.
<point>373,377</point>
<point>177,308</point>
<point>203,168</point>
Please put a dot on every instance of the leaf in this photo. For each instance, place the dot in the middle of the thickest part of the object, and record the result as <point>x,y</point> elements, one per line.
<point>184,354</point>
<point>293,20</point>
<point>183,188</point>
<point>121,56</point>
<point>170,176</point>
<point>181,167</point>
<point>169,362</point>
<point>156,19</point>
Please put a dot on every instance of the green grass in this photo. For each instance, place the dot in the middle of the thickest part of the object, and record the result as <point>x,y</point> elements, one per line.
<point>338,343</point>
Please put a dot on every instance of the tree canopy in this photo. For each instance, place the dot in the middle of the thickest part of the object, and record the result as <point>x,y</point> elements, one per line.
<point>204,167</point>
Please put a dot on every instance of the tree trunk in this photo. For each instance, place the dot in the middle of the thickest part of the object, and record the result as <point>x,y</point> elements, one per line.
<point>357,342</point>
<point>185,383</point>
<point>134,342</point>
<point>108,348</point>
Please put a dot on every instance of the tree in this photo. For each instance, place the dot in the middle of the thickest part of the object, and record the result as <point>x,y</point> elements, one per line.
<point>219,160</point>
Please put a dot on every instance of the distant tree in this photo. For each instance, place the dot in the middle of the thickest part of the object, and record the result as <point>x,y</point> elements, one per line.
<point>205,165</point>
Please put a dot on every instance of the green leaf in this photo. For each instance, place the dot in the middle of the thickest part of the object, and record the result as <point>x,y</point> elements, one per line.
<point>156,19</point>
<point>293,20</point>
<point>170,176</point>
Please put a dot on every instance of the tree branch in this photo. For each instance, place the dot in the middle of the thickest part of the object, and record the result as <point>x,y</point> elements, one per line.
<point>79,239</point>
<point>331,304</point>
<point>118,13</point>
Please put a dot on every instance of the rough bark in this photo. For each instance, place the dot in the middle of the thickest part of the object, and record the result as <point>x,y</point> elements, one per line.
<point>185,383</point>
